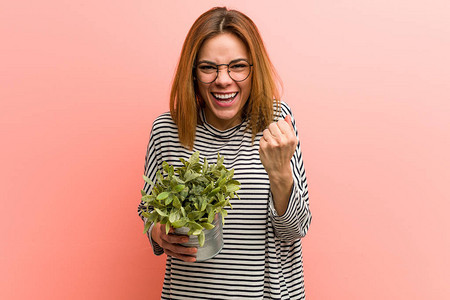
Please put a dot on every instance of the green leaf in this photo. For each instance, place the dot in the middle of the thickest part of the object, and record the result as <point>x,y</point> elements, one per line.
<point>153,216</point>
<point>165,166</point>
<point>190,175</point>
<point>159,177</point>
<point>220,204</point>
<point>146,179</point>
<point>145,214</point>
<point>222,182</point>
<point>201,239</point>
<point>232,188</point>
<point>173,217</point>
<point>179,188</point>
<point>143,193</point>
<point>195,225</point>
<point>184,193</point>
<point>147,227</point>
<point>232,181</point>
<point>220,160</point>
<point>183,161</point>
<point>195,157</point>
<point>230,174</point>
<point>146,198</point>
<point>195,215</point>
<point>197,231</point>
<point>162,196</point>
<point>211,216</point>
<point>167,228</point>
<point>176,202</point>
<point>223,212</point>
<point>205,165</point>
<point>168,200</point>
<point>160,212</point>
<point>207,189</point>
<point>221,197</point>
<point>180,223</point>
<point>207,226</point>
<point>204,203</point>
<point>214,191</point>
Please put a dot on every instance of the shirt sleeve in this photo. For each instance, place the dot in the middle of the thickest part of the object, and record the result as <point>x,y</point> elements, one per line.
<point>294,223</point>
<point>152,164</point>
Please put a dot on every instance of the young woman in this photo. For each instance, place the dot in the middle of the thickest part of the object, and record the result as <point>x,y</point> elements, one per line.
<point>224,99</point>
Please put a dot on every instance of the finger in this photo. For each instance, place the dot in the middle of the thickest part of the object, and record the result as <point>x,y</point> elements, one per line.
<point>171,237</point>
<point>186,258</point>
<point>288,119</point>
<point>262,143</point>
<point>162,228</point>
<point>267,136</point>
<point>275,131</point>
<point>286,125</point>
<point>175,238</point>
<point>179,249</point>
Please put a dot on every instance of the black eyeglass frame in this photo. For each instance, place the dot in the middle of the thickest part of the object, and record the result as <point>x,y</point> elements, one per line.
<point>228,70</point>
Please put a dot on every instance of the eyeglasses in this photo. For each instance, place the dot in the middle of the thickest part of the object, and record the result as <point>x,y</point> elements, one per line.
<point>238,70</point>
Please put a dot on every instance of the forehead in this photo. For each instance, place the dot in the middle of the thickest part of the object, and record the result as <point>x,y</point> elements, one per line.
<point>223,48</point>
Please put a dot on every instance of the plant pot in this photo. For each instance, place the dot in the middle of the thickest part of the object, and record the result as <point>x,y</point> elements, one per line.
<point>213,240</point>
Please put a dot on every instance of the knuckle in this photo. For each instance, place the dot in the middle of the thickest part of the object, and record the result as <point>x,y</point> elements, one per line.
<point>165,241</point>
<point>170,239</point>
<point>165,246</point>
<point>173,238</point>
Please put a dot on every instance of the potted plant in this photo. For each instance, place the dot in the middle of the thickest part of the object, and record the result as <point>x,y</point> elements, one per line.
<point>192,199</point>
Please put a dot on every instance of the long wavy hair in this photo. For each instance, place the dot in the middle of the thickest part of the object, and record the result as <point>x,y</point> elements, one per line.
<point>186,102</point>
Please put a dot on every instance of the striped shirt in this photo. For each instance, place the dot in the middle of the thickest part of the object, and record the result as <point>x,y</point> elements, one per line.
<point>262,253</point>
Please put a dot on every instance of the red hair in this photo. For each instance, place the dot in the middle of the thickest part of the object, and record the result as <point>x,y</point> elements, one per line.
<point>186,103</point>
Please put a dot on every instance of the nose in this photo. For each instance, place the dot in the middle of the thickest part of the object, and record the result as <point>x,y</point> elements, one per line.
<point>223,78</point>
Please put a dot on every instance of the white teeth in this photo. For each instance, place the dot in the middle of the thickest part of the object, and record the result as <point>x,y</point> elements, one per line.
<point>224,96</point>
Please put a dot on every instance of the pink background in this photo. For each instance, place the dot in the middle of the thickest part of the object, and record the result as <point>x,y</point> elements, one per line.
<point>82,81</point>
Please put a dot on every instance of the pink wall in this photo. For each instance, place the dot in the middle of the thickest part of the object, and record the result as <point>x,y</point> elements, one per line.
<point>82,81</point>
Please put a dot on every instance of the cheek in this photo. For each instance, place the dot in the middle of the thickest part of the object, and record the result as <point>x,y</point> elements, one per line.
<point>246,88</point>
<point>203,91</point>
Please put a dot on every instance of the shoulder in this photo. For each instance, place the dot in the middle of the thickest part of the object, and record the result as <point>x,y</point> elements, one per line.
<point>163,123</point>
<point>285,109</point>
<point>164,128</point>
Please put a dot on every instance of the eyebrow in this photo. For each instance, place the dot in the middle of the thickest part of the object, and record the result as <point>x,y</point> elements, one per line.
<point>213,63</point>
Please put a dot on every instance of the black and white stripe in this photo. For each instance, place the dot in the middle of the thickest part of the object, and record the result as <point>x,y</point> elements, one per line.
<point>262,253</point>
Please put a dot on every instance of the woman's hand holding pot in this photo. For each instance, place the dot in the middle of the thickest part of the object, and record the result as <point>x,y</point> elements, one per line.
<point>171,243</point>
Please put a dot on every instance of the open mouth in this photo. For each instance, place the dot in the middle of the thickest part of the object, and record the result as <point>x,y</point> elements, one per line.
<point>224,98</point>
